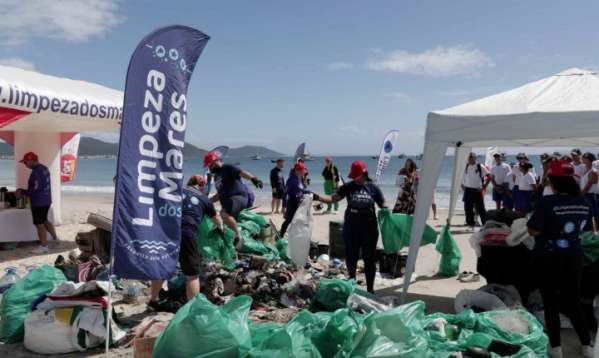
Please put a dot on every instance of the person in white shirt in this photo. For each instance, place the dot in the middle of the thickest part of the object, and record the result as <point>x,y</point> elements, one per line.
<point>476,179</point>
<point>527,184</point>
<point>579,167</point>
<point>589,185</point>
<point>499,175</point>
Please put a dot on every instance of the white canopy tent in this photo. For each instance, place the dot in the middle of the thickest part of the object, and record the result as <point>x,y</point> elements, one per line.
<point>39,113</point>
<point>560,110</point>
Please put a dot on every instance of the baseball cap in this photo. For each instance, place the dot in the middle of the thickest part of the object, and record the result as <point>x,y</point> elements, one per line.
<point>521,156</point>
<point>496,155</point>
<point>210,158</point>
<point>299,166</point>
<point>561,168</point>
<point>28,156</point>
<point>196,180</point>
<point>358,168</point>
<point>576,152</point>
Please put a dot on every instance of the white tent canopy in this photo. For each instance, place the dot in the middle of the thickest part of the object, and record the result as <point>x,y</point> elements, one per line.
<point>560,110</point>
<point>39,113</point>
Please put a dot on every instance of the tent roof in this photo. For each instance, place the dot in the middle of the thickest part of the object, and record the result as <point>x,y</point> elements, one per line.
<point>72,106</point>
<point>560,110</point>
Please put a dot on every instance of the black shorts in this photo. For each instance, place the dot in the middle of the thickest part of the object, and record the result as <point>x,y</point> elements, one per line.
<point>40,215</point>
<point>234,204</point>
<point>278,193</point>
<point>190,257</point>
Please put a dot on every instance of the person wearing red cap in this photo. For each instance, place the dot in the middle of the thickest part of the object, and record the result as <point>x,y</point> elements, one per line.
<point>294,193</point>
<point>360,228</point>
<point>194,207</point>
<point>557,224</point>
<point>39,191</point>
<point>230,190</point>
<point>330,173</point>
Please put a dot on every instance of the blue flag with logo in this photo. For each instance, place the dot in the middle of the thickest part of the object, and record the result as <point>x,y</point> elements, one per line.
<point>386,150</point>
<point>146,225</point>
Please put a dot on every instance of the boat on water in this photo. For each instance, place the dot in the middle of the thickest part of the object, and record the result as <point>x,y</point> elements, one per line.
<point>374,157</point>
<point>307,157</point>
<point>401,156</point>
<point>256,157</point>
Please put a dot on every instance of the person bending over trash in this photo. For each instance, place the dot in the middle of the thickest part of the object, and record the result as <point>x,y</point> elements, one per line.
<point>294,193</point>
<point>230,190</point>
<point>360,228</point>
<point>195,206</point>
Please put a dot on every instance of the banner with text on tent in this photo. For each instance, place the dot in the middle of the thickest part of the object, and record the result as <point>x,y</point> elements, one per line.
<point>386,150</point>
<point>147,207</point>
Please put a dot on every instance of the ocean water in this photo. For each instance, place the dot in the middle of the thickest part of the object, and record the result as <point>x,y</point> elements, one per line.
<point>95,175</point>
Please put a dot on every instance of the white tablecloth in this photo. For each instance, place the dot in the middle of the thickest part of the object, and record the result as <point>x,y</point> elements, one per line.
<point>16,225</point>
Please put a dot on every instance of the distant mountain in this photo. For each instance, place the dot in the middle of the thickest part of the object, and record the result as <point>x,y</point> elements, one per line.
<point>251,150</point>
<point>90,147</point>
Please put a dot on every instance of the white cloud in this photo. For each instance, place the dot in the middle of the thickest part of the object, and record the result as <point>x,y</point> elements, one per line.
<point>467,92</point>
<point>400,96</point>
<point>439,61</point>
<point>71,20</point>
<point>338,66</point>
<point>17,62</point>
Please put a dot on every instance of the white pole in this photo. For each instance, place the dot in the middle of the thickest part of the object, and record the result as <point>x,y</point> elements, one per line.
<point>109,313</point>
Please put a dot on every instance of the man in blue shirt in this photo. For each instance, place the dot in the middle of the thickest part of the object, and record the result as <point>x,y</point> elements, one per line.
<point>39,191</point>
<point>231,192</point>
<point>194,207</point>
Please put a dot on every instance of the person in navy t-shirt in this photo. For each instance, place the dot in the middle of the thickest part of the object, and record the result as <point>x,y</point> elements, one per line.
<point>360,228</point>
<point>557,223</point>
<point>39,191</point>
<point>231,192</point>
<point>195,206</point>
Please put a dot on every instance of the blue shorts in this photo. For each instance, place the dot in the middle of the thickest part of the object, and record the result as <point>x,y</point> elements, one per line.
<point>523,201</point>
<point>497,196</point>
<point>592,200</point>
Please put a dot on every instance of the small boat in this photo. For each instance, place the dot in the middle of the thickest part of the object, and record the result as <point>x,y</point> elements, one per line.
<point>308,157</point>
<point>374,157</point>
<point>256,157</point>
<point>401,156</point>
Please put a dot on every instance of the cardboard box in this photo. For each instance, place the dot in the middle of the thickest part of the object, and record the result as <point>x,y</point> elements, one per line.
<point>143,347</point>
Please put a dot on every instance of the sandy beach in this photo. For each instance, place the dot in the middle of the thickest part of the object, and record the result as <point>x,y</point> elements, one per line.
<point>437,292</point>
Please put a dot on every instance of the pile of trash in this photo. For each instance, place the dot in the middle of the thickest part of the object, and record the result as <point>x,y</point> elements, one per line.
<point>351,324</point>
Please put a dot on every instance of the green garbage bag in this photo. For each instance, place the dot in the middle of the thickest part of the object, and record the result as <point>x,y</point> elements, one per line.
<point>590,247</point>
<point>246,215</point>
<point>251,227</point>
<point>338,335</point>
<point>16,302</point>
<point>283,249</point>
<point>396,230</point>
<point>294,339</point>
<point>494,323</point>
<point>332,294</point>
<point>450,253</point>
<point>201,329</point>
<point>397,332</point>
<point>252,246</point>
<point>213,246</point>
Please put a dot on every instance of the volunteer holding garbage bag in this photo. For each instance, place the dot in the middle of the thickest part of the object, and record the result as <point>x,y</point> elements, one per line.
<point>194,207</point>
<point>360,228</point>
<point>231,193</point>
<point>294,193</point>
<point>556,224</point>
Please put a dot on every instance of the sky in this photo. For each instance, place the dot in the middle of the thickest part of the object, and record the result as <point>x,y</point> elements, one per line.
<point>336,74</point>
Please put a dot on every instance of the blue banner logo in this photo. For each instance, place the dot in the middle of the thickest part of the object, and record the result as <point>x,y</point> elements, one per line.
<point>388,147</point>
<point>147,207</point>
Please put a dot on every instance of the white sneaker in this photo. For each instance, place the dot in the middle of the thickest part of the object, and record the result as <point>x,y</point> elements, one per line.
<point>554,352</point>
<point>587,351</point>
<point>40,250</point>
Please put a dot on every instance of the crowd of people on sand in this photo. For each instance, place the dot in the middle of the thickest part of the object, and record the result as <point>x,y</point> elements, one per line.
<point>560,199</point>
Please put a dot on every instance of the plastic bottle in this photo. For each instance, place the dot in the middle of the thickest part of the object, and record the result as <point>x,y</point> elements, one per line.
<point>9,278</point>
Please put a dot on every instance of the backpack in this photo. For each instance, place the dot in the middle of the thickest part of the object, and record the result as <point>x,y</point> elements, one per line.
<point>479,170</point>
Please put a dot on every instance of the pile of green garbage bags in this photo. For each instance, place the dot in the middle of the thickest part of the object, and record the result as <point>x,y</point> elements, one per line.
<point>202,329</point>
<point>17,300</point>
<point>396,230</point>
<point>217,247</point>
<point>590,247</point>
